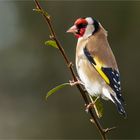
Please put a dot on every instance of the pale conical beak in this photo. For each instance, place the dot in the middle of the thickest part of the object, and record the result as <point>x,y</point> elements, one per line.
<point>73,29</point>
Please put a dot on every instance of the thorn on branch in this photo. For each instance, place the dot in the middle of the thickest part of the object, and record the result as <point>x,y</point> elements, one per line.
<point>49,17</point>
<point>109,129</point>
<point>70,65</point>
<point>92,121</point>
<point>52,37</point>
<point>40,10</point>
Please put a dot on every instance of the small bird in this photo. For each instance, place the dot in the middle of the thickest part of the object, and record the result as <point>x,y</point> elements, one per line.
<point>95,62</point>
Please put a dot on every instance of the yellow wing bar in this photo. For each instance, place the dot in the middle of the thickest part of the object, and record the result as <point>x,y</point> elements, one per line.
<point>102,74</point>
<point>97,65</point>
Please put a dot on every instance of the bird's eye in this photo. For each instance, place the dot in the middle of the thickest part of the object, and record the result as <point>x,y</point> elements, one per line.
<point>81,25</point>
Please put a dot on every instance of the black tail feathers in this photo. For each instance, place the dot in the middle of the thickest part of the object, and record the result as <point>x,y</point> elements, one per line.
<point>121,109</point>
<point>119,104</point>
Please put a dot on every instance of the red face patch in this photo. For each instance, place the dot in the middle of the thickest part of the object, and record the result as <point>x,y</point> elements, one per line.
<point>81,24</point>
<point>80,21</point>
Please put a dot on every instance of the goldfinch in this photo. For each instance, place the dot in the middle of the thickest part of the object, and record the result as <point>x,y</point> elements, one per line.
<point>95,62</point>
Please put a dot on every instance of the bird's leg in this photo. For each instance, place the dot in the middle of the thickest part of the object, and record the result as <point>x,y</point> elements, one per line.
<point>73,82</point>
<point>91,105</point>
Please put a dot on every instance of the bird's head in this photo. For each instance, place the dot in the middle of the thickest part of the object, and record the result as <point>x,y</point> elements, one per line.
<point>84,27</point>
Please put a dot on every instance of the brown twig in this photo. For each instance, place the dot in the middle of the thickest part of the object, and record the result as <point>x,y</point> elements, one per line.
<point>70,68</point>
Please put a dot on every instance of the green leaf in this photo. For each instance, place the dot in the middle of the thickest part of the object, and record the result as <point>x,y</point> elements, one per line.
<point>55,89</point>
<point>51,43</point>
<point>37,10</point>
<point>98,106</point>
<point>41,11</point>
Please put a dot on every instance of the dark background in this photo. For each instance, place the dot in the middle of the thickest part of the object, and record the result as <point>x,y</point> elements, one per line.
<point>28,69</point>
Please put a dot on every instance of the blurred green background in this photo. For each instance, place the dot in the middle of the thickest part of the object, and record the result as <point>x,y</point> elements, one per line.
<point>28,69</point>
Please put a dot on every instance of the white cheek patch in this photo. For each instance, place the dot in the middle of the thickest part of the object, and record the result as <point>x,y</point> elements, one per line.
<point>89,20</point>
<point>89,30</point>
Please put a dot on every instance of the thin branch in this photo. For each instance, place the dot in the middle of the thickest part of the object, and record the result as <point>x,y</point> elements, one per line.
<point>70,68</point>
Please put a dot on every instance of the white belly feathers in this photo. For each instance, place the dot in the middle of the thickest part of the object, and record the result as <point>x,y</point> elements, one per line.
<point>93,88</point>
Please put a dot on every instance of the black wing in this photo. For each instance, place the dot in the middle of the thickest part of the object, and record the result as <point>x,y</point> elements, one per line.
<point>114,78</point>
<point>112,75</point>
<point>89,57</point>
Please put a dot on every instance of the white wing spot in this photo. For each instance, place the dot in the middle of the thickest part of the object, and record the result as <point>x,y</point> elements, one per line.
<point>115,86</point>
<point>114,80</point>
